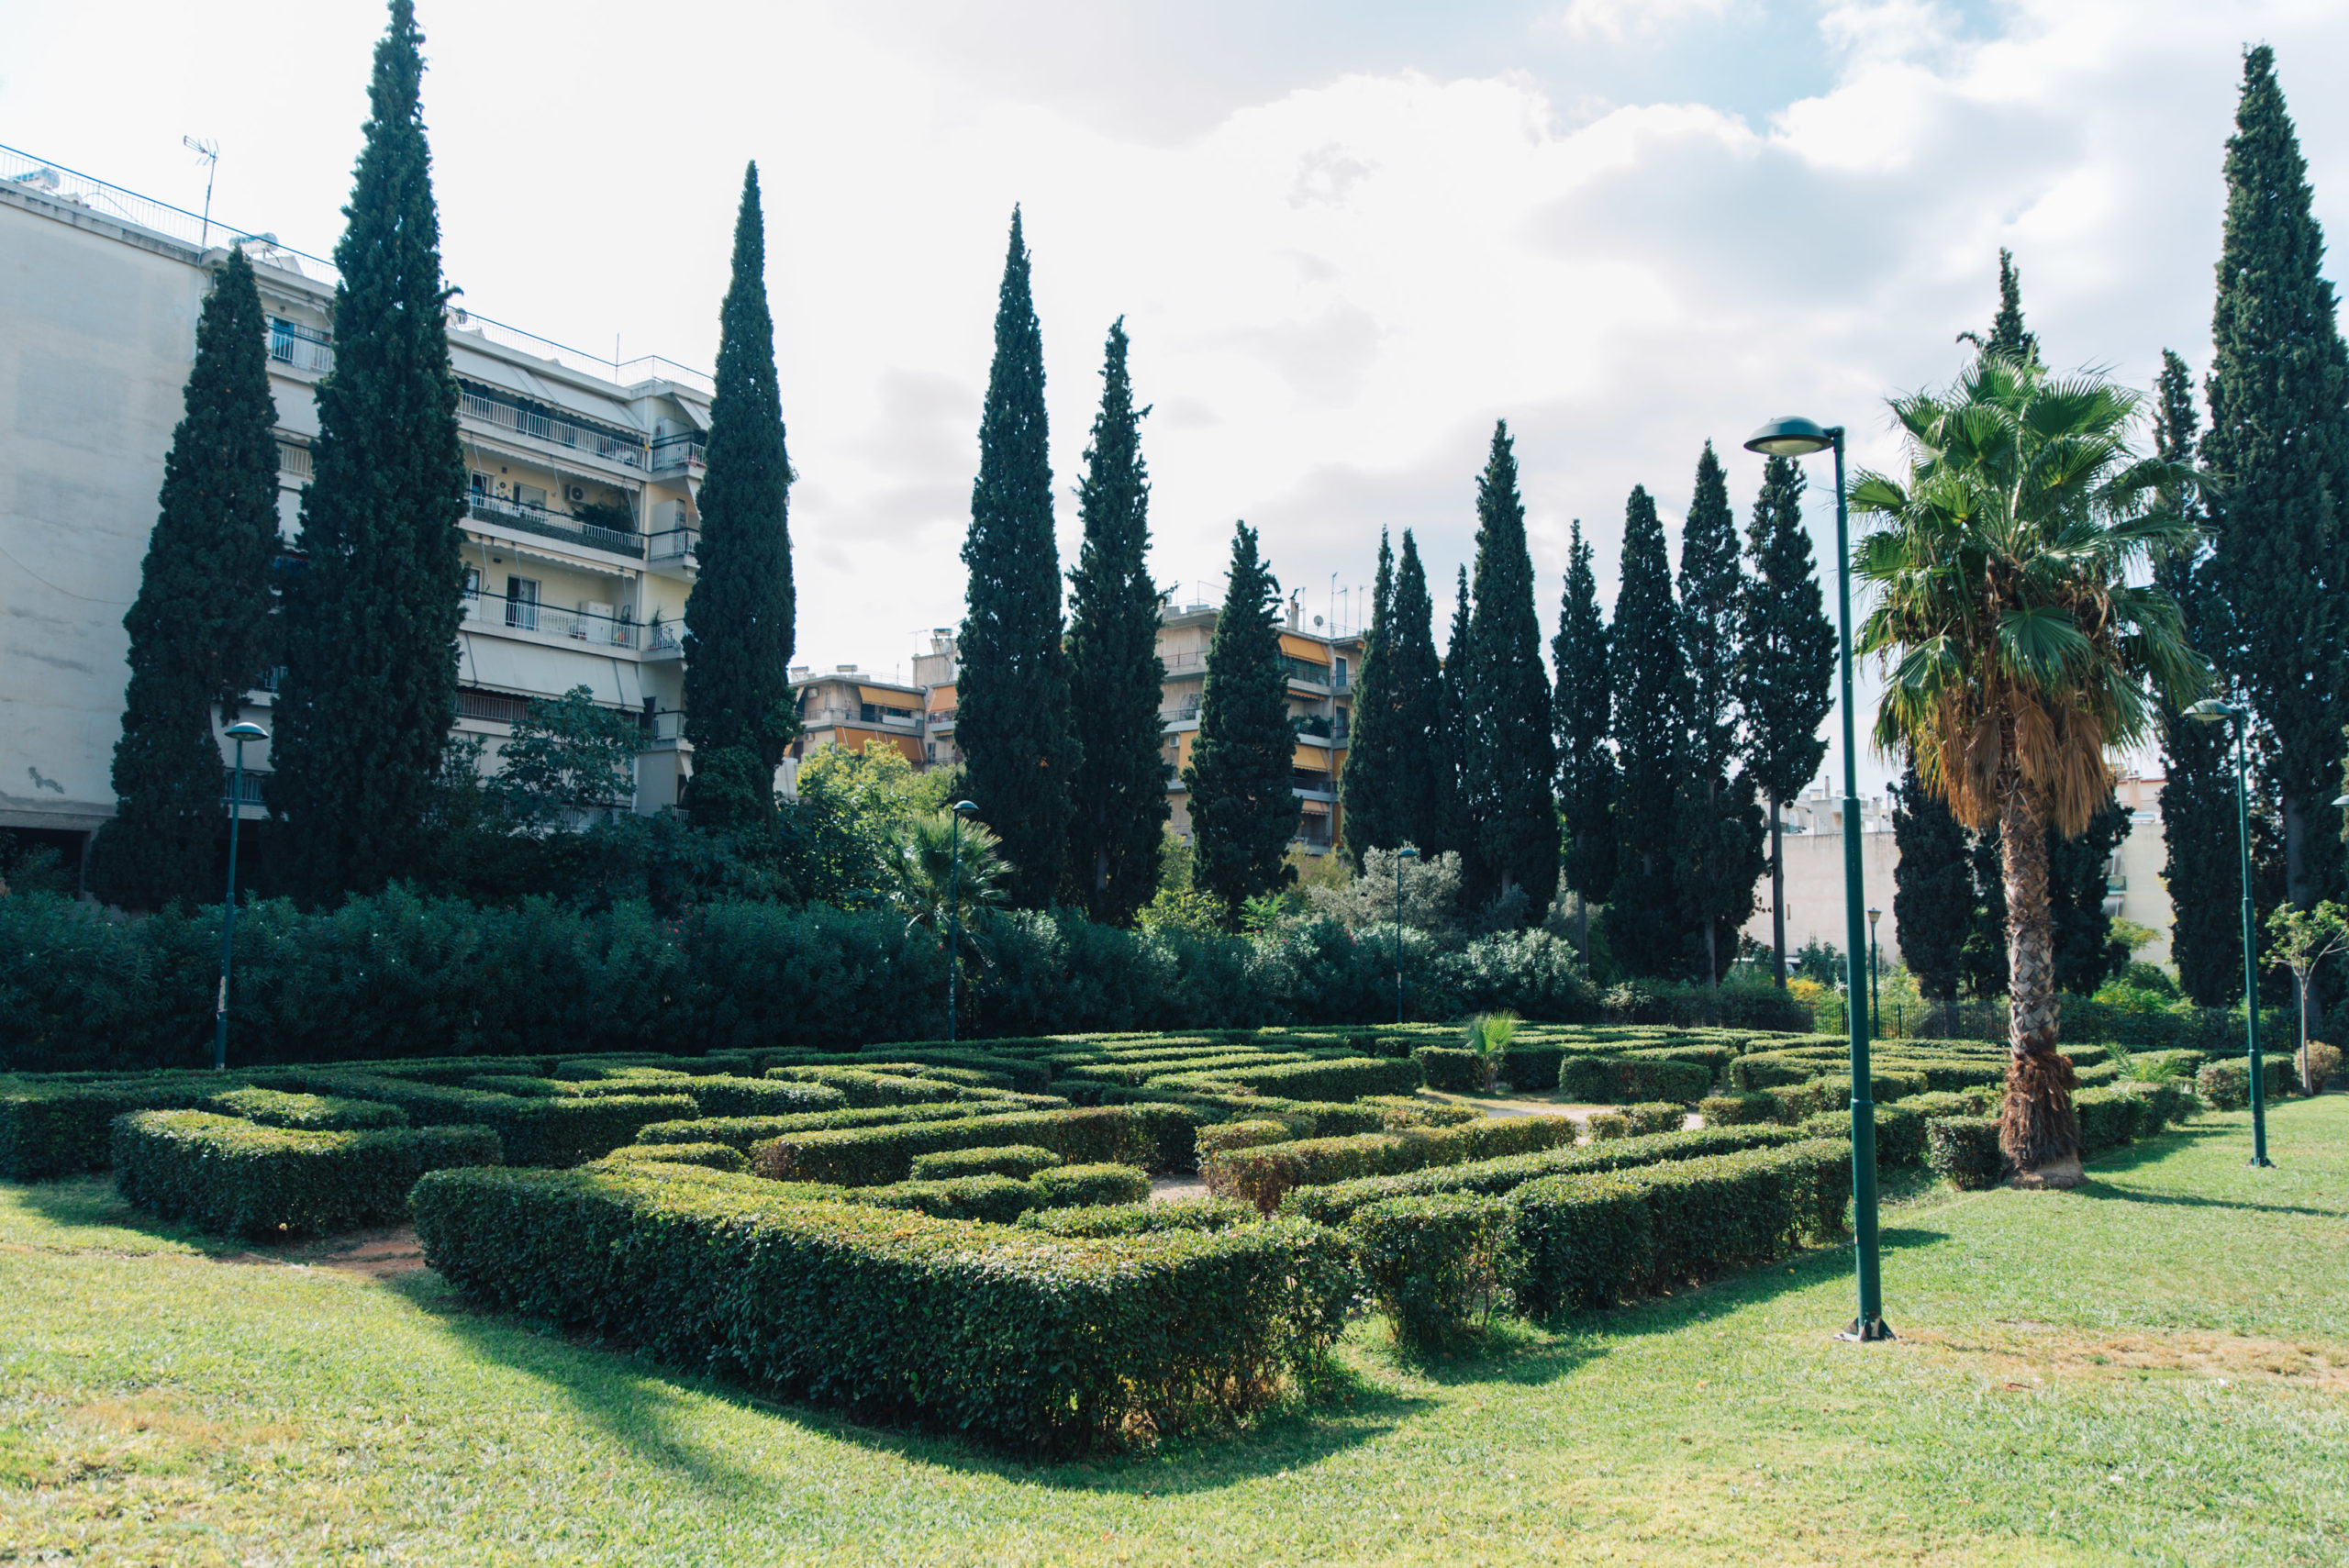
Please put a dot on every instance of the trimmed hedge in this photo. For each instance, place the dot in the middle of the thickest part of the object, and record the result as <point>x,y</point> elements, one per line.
<point>1434,1264</point>
<point>1625,1080</point>
<point>1334,1204</point>
<point>990,1199</point>
<point>2225,1084</point>
<point>1590,1240</point>
<point>1740,1109</point>
<point>728,1095</point>
<point>741,1131</point>
<point>1342,1078</point>
<point>51,1128</point>
<point>1964,1151</point>
<point>1254,1132</point>
<point>1019,1161</point>
<point>308,1113</point>
<point>240,1178</point>
<point>1141,1218</point>
<point>875,1156</point>
<point>1263,1175</point>
<point>861,1088</point>
<point>558,1131</point>
<point>1075,1186</point>
<point>1899,1133</point>
<point>1450,1069</point>
<point>1013,1336</point>
<point>709,1156</point>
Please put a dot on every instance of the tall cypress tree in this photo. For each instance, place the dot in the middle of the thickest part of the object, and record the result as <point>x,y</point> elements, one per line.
<point>199,624</point>
<point>1012,691</point>
<point>2278,454</point>
<point>369,692</point>
<point>1720,843</point>
<point>1371,779</point>
<point>1449,826</point>
<point>1244,809</point>
<point>1932,890</point>
<point>2203,862</point>
<point>1582,714</point>
<point>1422,749</point>
<point>1645,925</point>
<point>741,617</point>
<point>1510,757</point>
<point>2007,338</point>
<point>1786,669</point>
<point>1115,674</point>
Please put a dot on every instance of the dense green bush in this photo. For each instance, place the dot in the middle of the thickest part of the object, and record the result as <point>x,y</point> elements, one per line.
<point>1141,1218</point>
<point>1964,1151</point>
<point>1655,1116</point>
<point>1450,1069</point>
<point>991,1199</point>
<point>1435,1264</point>
<point>862,1088</point>
<point>1591,1240</point>
<point>1254,1132</point>
<point>1026,1339</point>
<point>1071,1186</point>
<point>709,1156</point>
<point>2225,1084</point>
<point>1020,1161</point>
<point>53,1129</point>
<point>741,1131</point>
<point>1264,1174</point>
<point>1623,1080</point>
<point>1606,1126</point>
<point>1739,1109</point>
<point>1341,1078</point>
<point>556,1130</point>
<point>1899,1133</point>
<point>875,1156</point>
<point>308,1113</point>
<point>241,1178</point>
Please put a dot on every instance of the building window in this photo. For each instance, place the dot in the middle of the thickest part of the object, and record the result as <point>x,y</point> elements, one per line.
<point>522,603</point>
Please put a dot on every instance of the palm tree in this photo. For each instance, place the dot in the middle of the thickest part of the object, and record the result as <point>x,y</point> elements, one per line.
<point>926,869</point>
<point>2019,637</point>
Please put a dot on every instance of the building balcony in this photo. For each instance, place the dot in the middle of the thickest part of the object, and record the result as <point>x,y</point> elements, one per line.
<point>674,549</point>
<point>628,451</point>
<point>562,526</point>
<point>300,348</point>
<point>1304,672</point>
<point>593,627</point>
<point>673,455</point>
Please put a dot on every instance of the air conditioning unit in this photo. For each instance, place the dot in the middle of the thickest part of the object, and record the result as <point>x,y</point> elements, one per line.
<point>576,494</point>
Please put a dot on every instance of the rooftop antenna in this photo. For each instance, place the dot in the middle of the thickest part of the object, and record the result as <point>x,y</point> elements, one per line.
<point>208,150</point>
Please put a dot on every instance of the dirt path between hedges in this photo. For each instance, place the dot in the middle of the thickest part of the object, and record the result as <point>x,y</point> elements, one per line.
<point>385,1252</point>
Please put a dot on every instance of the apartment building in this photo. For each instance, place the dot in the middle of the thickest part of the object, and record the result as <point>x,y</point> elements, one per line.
<point>580,522</point>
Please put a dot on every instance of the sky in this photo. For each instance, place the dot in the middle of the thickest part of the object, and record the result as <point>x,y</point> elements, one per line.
<point>1345,238</point>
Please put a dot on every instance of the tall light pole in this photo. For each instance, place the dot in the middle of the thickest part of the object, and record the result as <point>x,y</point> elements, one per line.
<point>2210,710</point>
<point>1875,1003</point>
<point>240,733</point>
<point>1795,437</point>
<point>1405,854</point>
<point>954,910</point>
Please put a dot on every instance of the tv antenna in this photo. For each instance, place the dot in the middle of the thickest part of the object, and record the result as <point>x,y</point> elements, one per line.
<point>209,151</point>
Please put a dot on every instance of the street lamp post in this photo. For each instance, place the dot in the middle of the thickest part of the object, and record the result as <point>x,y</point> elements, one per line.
<point>1875,1001</point>
<point>2210,710</point>
<point>1795,437</point>
<point>1405,854</point>
<point>954,910</point>
<point>240,733</point>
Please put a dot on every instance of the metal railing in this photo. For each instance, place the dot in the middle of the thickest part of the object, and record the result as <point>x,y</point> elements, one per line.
<point>252,795</point>
<point>626,451</point>
<point>671,452</point>
<point>1297,669</point>
<point>554,525</point>
<point>304,348</point>
<point>580,626</point>
<point>675,544</point>
<point>664,636</point>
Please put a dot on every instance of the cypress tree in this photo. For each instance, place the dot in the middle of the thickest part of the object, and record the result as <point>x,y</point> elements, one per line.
<point>1012,691</point>
<point>2278,453</point>
<point>1932,890</point>
<point>1786,669</point>
<point>1719,842</point>
<point>2203,866</point>
<point>369,692</point>
<point>2079,876</point>
<point>740,619</point>
<point>1371,775</point>
<point>199,628</point>
<point>1115,674</point>
<point>1582,714</point>
<point>1644,922</point>
<point>1509,756</point>
<point>1448,823</point>
<point>1422,747</point>
<point>2007,339</point>
<point>1243,807</point>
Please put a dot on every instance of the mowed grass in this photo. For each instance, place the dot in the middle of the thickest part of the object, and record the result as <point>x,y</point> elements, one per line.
<point>2154,1369</point>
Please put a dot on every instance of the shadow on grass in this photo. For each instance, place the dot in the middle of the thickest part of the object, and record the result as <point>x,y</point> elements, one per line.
<point>89,1202</point>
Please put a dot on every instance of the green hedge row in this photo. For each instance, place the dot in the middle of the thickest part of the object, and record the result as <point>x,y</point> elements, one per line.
<point>558,1131</point>
<point>1436,1265</point>
<point>1342,1078</point>
<point>50,1128</point>
<point>1139,1218</point>
<point>2225,1084</point>
<point>308,1113</point>
<point>1625,1080</point>
<point>1264,1174</point>
<point>875,1156</point>
<point>1017,1160</point>
<point>710,1156</point>
<point>741,1131</point>
<point>241,1178</point>
<point>1014,1338</point>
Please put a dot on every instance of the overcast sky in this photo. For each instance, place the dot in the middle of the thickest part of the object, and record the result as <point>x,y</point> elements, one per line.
<point>1345,237</point>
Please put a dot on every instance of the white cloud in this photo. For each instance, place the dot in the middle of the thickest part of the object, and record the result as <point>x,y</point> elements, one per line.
<point>1615,20</point>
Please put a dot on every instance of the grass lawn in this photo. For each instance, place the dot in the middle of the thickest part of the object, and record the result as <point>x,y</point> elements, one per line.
<point>2154,1369</point>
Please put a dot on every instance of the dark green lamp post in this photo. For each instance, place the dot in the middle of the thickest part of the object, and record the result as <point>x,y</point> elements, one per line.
<point>1795,437</point>
<point>1876,1004</point>
<point>240,733</point>
<point>954,910</point>
<point>2210,710</point>
<point>1405,854</point>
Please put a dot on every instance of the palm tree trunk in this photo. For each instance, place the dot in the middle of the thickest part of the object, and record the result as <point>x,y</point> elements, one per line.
<point>2039,1127</point>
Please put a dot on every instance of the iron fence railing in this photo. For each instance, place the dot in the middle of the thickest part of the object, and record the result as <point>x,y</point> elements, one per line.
<point>554,525</point>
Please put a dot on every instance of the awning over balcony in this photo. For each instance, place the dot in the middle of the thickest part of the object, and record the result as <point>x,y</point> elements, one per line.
<point>505,664</point>
<point>490,370</point>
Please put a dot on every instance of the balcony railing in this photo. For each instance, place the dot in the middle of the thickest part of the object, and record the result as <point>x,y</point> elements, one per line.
<point>580,626</point>
<point>554,525</point>
<point>677,544</point>
<point>251,795</point>
<point>1304,670</point>
<point>304,348</point>
<point>673,454</point>
<point>629,450</point>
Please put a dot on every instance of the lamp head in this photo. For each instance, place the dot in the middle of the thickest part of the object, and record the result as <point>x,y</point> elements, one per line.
<point>1874,916</point>
<point>1407,854</point>
<point>1791,434</point>
<point>246,730</point>
<point>2343,800</point>
<point>2210,710</point>
<point>965,807</point>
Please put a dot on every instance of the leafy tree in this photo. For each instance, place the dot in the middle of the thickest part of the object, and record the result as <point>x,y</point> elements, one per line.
<point>2019,647</point>
<point>1366,904</point>
<point>862,806</point>
<point>1932,890</point>
<point>740,619</point>
<point>1374,744</point>
<point>1582,714</point>
<point>2302,940</point>
<point>1509,756</point>
<point>370,621</point>
<point>1644,920</point>
<point>1719,847</point>
<point>568,756</point>
<point>1013,713</point>
<point>1785,670</point>
<point>1423,747</point>
<point>1115,677</point>
<point>1243,807</point>
<point>199,627</point>
<point>2277,450</point>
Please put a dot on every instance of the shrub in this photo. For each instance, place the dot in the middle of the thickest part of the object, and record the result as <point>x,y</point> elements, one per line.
<point>1620,1079</point>
<point>741,1131</point>
<point>1396,1112</point>
<point>1033,1341</point>
<point>710,1156</point>
<point>2110,1118</point>
<point>1020,1161</point>
<point>1072,1186</point>
<point>50,1129</point>
<point>1591,1240</point>
<point>1333,1204</point>
<point>1964,1151</point>
<point>240,1178</point>
<point>1899,1133</point>
<point>1141,1218</point>
<point>1655,1116</point>
<point>1263,1175</point>
<point>309,1113</point>
<point>762,1097</point>
<point>2168,1101</point>
<point>1607,1125</point>
<point>2324,1063</point>
<point>2225,1084</point>
<point>861,1088</point>
<point>1737,1110</point>
<point>1435,1264</point>
<point>1345,1078</point>
<point>990,1199</point>
<point>1449,1068</point>
<point>1253,1133</point>
<point>875,1156</point>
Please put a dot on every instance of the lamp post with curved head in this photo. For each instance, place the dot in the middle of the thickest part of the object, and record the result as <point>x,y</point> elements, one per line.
<point>1876,1002</point>
<point>1795,437</point>
<point>954,909</point>
<point>2210,710</point>
<point>1402,854</point>
<point>240,733</point>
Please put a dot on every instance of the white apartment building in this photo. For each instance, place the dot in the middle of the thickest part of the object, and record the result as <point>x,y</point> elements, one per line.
<point>580,525</point>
